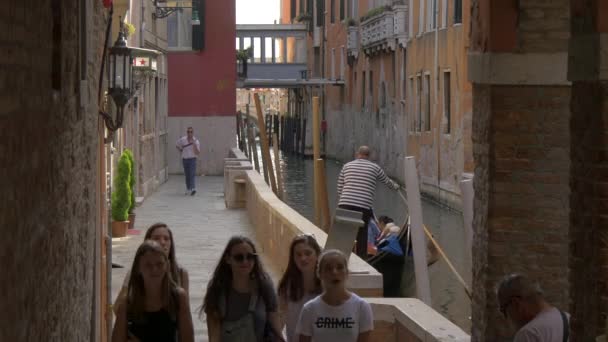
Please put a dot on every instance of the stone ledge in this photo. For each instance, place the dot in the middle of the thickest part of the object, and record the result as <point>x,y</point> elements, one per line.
<point>418,318</point>
<point>518,69</point>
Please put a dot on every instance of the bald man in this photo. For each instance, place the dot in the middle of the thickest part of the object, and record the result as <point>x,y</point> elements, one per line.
<point>356,188</point>
<point>521,301</point>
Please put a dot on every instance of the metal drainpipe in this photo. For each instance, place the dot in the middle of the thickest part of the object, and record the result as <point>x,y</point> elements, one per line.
<point>323,89</point>
<point>436,70</point>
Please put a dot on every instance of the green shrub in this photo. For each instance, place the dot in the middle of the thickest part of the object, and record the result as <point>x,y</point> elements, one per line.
<point>132,179</point>
<point>121,194</point>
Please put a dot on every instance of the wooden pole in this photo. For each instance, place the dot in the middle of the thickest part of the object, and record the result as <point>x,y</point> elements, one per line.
<point>265,148</point>
<point>254,148</point>
<point>443,255</point>
<point>324,202</point>
<point>277,163</point>
<point>316,140</point>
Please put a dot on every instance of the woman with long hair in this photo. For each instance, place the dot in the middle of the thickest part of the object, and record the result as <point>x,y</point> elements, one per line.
<point>240,302</point>
<point>161,233</point>
<point>337,314</point>
<point>155,308</point>
<point>299,283</point>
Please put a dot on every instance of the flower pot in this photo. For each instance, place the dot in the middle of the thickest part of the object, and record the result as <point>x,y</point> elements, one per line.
<point>119,228</point>
<point>132,221</point>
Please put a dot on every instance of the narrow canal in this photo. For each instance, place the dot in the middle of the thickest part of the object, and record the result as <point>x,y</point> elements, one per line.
<point>447,294</point>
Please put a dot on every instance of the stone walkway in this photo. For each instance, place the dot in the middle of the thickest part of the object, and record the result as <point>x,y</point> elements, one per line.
<point>201,225</point>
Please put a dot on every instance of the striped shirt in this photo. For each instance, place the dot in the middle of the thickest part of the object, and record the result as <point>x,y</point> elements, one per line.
<point>357,183</point>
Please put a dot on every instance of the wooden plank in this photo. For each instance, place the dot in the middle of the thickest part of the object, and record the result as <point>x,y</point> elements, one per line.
<point>265,147</point>
<point>423,287</point>
<point>277,163</point>
<point>324,202</point>
<point>316,140</point>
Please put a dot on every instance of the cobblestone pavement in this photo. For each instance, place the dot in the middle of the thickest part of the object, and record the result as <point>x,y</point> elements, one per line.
<point>201,225</point>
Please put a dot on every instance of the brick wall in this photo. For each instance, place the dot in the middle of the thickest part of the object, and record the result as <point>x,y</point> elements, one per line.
<point>589,213</point>
<point>527,156</point>
<point>48,155</point>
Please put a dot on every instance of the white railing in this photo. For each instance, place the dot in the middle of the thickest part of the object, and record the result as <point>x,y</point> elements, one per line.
<point>384,30</point>
<point>377,32</point>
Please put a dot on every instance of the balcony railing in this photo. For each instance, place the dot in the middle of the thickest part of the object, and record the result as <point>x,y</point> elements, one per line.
<point>384,30</point>
<point>352,41</point>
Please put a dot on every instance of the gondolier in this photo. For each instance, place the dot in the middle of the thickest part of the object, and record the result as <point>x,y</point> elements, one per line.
<point>356,187</point>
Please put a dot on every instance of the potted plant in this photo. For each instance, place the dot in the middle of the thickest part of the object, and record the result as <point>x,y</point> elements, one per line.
<point>132,179</point>
<point>241,58</point>
<point>121,198</point>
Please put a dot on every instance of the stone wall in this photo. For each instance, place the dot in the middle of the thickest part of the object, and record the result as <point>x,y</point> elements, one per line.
<point>48,153</point>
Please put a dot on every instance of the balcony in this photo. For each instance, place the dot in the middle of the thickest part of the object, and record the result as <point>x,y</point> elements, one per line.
<point>383,28</point>
<point>352,42</point>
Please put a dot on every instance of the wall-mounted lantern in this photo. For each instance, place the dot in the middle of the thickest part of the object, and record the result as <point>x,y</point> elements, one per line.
<point>120,79</point>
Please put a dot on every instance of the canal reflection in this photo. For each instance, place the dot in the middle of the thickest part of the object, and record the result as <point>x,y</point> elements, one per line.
<point>446,225</point>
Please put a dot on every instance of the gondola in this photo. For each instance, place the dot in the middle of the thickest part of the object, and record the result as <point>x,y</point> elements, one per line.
<point>398,270</point>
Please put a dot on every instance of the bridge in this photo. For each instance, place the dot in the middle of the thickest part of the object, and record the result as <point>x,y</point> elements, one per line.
<point>278,58</point>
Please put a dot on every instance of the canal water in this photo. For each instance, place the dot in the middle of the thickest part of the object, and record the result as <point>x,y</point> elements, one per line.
<point>448,296</point>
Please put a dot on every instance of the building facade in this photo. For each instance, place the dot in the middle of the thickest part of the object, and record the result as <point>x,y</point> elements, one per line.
<point>404,90</point>
<point>202,90</point>
<point>145,129</point>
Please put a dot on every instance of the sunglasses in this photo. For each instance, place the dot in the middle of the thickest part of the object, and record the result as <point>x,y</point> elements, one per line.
<point>243,257</point>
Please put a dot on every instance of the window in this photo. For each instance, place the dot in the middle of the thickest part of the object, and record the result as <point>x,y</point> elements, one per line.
<point>371,89</point>
<point>447,103</point>
<point>418,118</point>
<point>309,6</point>
<point>444,14</point>
<point>431,17</point>
<point>332,11</point>
<point>383,95</point>
<point>292,10</point>
<point>421,18</point>
<point>427,102</point>
<point>354,9</point>
<point>394,64</point>
<point>179,30</point>
<point>302,9</point>
<point>411,108</point>
<point>457,11</point>
<point>410,10</point>
<point>320,12</point>
<point>342,10</point>
<point>363,91</point>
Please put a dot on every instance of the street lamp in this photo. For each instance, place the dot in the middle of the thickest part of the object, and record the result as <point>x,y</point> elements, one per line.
<point>120,79</point>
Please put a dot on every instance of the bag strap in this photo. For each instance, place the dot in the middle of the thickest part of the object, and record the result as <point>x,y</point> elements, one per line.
<point>566,331</point>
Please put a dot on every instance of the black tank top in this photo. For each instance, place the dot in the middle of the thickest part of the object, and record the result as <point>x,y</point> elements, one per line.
<point>154,327</point>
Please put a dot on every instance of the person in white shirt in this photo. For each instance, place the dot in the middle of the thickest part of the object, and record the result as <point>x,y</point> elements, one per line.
<point>337,314</point>
<point>189,148</point>
<point>521,301</point>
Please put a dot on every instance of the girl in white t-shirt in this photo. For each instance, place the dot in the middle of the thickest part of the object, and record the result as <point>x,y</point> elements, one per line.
<point>299,283</point>
<point>337,314</point>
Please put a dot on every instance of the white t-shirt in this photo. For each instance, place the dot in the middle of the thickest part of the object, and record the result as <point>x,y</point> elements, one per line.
<point>343,323</point>
<point>293,315</point>
<point>547,326</point>
<point>187,148</point>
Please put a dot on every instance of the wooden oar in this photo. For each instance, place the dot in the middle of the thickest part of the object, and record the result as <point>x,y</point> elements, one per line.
<point>443,255</point>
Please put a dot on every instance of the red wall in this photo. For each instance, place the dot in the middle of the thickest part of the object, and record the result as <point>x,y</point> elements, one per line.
<point>203,83</point>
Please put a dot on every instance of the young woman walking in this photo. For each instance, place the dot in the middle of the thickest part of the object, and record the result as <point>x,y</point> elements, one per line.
<point>155,308</point>
<point>299,283</point>
<point>337,314</point>
<point>161,233</point>
<point>240,303</point>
